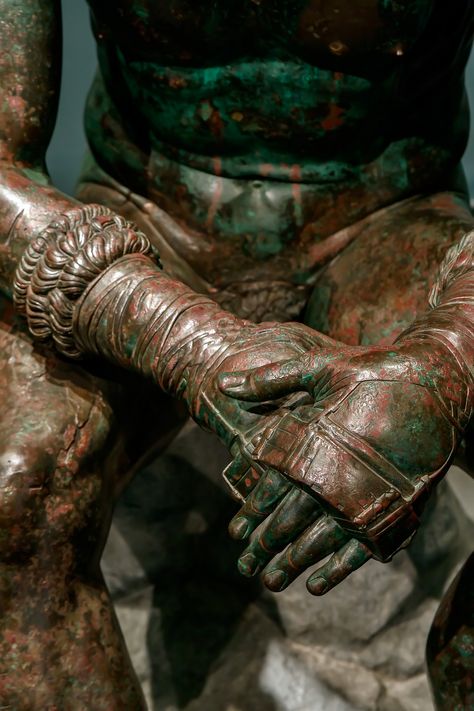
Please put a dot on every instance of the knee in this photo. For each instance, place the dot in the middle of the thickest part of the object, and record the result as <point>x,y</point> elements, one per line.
<point>24,475</point>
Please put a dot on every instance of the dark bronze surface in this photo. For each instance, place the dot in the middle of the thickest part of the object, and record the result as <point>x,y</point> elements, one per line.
<point>294,160</point>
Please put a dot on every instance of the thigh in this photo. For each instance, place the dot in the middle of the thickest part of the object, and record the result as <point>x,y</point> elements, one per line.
<point>69,436</point>
<point>376,287</point>
<point>57,434</point>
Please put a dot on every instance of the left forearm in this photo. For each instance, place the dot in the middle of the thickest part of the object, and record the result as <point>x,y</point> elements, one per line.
<point>450,321</point>
<point>133,314</point>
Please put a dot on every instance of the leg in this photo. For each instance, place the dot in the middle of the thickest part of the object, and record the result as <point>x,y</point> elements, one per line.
<point>375,288</point>
<point>450,650</point>
<point>63,457</point>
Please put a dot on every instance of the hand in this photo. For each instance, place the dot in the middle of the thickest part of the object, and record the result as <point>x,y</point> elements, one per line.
<point>138,317</point>
<point>240,345</point>
<point>381,432</point>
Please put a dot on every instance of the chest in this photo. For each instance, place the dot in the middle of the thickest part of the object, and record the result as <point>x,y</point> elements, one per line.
<point>193,31</point>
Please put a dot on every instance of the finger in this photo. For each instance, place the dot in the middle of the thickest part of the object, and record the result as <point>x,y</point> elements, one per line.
<point>348,559</point>
<point>297,511</point>
<point>264,499</point>
<point>266,382</point>
<point>321,539</point>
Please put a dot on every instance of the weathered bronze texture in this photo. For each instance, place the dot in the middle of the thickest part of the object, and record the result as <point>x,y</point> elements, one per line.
<point>359,448</point>
<point>450,645</point>
<point>289,160</point>
<point>57,266</point>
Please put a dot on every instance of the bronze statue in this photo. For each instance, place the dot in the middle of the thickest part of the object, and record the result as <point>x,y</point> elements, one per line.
<point>285,160</point>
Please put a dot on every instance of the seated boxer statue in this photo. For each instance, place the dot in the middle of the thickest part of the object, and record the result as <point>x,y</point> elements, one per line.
<point>260,161</point>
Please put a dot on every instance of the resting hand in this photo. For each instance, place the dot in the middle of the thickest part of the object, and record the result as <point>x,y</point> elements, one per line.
<point>231,344</point>
<point>365,455</point>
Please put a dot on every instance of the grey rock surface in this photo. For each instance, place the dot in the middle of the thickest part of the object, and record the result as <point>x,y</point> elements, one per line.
<point>204,639</point>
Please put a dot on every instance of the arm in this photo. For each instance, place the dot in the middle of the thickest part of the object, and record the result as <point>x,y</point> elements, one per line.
<point>382,432</point>
<point>30,67</point>
<point>87,280</point>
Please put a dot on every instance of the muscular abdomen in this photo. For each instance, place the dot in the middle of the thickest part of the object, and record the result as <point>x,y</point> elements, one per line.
<point>270,125</point>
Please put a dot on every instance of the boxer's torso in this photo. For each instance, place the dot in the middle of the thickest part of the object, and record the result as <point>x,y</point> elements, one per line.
<point>268,125</point>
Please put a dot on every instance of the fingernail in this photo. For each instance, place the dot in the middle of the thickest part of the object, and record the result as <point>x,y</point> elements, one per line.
<point>248,565</point>
<point>318,586</point>
<point>276,580</point>
<point>231,382</point>
<point>239,528</point>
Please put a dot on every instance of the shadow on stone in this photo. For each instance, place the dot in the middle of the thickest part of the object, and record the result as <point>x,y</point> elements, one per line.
<point>174,519</point>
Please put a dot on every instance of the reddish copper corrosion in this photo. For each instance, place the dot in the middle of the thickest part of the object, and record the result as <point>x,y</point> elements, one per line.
<point>289,160</point>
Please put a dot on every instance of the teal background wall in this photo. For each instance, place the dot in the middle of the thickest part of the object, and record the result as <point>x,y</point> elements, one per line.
<point>79,60</point>
<point>469,154</point>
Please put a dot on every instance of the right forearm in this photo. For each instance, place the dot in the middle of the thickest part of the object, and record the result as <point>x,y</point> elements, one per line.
<point>51,249</point>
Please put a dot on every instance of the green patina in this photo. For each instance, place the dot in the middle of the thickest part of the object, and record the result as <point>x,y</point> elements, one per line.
<point>252,92</point>
<point>38,176</point>
<point>129,345</point>
<point>235,90</point>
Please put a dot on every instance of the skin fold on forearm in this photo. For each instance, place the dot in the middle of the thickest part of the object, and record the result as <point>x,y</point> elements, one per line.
<point>26,209</point>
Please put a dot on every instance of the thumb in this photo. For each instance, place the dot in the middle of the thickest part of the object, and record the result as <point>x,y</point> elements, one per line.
<point>269,382</point>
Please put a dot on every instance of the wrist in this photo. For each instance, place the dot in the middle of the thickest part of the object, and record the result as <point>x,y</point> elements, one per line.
<point>452,302</point>
<point>61,261</point>
<point>445,333</point>
<point>136,316</point>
